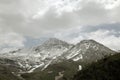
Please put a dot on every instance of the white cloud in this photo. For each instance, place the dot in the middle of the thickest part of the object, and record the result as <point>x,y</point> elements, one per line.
<point>48,16</point>
<point>11,39</point>
<point>70,35</point>
<point>106,37</point>
<point>36,18</point>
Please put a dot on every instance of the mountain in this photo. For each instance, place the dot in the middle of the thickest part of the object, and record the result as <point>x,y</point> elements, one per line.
<point>39,56</point>
<point>88,51</point>
<point>73,60</point>
<point>54,59</point>
<point>105,69</point>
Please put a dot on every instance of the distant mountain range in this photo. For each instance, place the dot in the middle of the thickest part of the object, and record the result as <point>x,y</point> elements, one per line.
<point>54,56</point>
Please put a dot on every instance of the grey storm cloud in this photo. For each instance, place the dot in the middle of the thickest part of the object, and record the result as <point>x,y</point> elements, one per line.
<point>111,27</point>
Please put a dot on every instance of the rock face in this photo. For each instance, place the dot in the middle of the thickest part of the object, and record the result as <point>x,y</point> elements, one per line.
<point>54,50</point>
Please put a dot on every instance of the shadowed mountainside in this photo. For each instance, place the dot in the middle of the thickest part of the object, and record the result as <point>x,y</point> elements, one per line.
<point>105,69</point>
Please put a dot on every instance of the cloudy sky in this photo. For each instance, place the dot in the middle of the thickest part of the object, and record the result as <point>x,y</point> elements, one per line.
<point>26,22</point>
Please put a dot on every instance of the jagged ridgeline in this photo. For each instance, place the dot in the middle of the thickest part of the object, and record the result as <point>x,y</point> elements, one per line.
<point>54,59</point>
